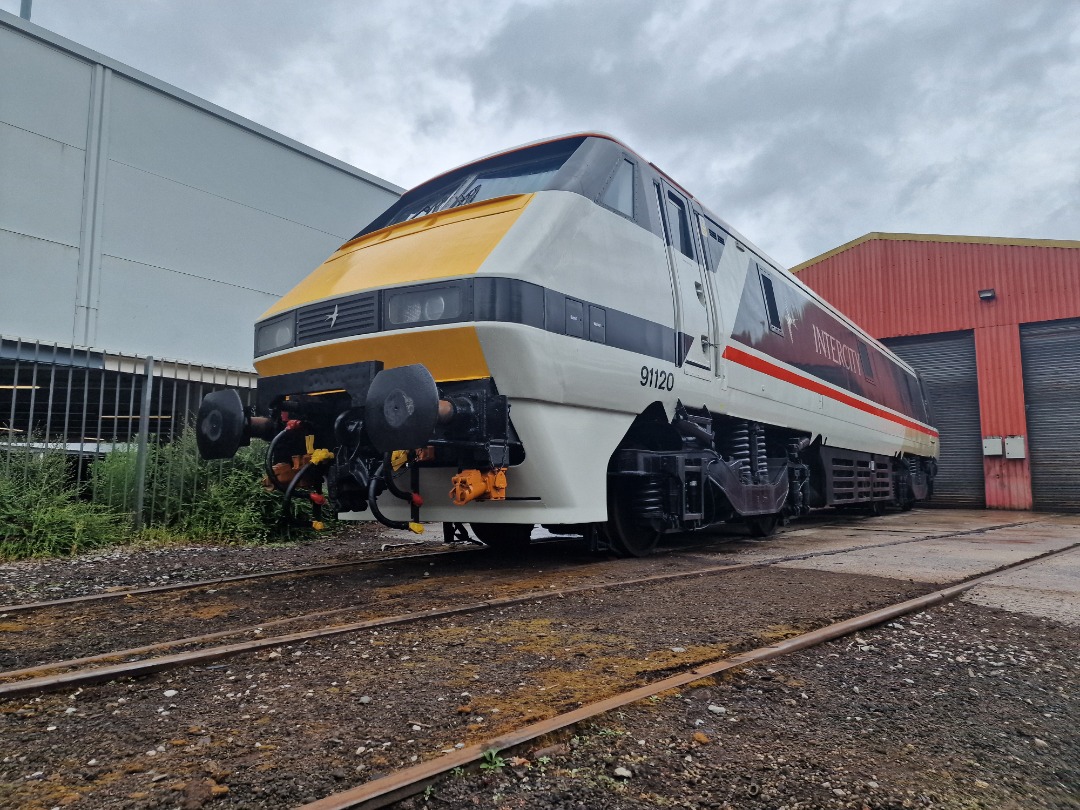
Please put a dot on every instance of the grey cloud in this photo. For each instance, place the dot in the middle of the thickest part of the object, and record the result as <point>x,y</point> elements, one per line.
<point>803,123</point>
<point>828,108</point>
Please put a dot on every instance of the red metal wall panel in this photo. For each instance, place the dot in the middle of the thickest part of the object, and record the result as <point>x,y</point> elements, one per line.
<point>900,284</point>
<point>1002,413</point>
<point>894,287</point>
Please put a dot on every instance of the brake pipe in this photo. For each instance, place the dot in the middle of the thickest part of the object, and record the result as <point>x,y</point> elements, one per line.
<point>291,425</point>
<point>318,500</point>
<point>395,490</point>
<point>416,501</point>
<point>374,504</point>
<point>269,463</point>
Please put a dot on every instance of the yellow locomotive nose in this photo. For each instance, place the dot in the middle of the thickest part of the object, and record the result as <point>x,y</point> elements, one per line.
<point>449,244</point>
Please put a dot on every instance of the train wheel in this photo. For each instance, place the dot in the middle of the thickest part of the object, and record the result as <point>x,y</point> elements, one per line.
<point>509,537</point>
<point>763,525</point>
<point>628,537</point>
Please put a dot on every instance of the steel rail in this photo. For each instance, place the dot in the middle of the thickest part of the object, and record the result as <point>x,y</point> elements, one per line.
<point>206,583</point>
<point>121,593</point>
<point>301,570</point>
<point>412,780</point>
<point>78,677</point>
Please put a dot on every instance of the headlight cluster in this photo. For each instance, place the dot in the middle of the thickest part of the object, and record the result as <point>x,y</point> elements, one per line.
<point>424,305</point>
<point>274,335</point>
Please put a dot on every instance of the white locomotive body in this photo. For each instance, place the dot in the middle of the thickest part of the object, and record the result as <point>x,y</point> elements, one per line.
<point>560,334</point>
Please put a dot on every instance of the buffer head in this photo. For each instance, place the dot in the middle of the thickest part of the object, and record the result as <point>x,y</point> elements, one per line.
<point>221,427</point>
<point>401,408</point>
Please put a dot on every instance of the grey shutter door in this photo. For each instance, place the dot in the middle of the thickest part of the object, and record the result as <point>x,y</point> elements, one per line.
<point>1051,357</point>
<point>946,363</point>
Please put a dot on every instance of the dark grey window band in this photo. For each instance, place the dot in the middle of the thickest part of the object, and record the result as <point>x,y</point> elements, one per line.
<point>502,300</point>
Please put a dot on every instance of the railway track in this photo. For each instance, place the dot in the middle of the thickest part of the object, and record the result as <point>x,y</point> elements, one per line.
<point>78,628</point>
<point>179,587</point>
<point>119,593</point>
<point>151,658</point>
<point>413,780</point>
<point>305,718</point>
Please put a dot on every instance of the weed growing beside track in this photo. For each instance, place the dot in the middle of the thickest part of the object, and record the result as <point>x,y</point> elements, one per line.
<point>48,511</point>
<point>41,515</point>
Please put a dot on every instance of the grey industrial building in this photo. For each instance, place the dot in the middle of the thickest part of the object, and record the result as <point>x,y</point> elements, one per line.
<point>136,220</point>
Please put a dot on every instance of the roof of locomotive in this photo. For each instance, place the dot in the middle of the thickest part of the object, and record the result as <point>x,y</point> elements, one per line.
<point>585,135</point>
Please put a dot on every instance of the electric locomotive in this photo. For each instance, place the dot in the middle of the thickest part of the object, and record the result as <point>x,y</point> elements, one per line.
<point>560,334</point>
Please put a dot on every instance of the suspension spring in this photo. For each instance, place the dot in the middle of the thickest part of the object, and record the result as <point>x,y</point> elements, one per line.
<point>740,449</point>
<point>761,463</point>
<point>649,500</point>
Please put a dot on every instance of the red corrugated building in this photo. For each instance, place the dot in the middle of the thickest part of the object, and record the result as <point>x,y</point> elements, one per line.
<point>993,326</point>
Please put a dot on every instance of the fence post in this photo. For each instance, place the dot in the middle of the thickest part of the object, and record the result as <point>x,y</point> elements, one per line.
<point>144,440</point>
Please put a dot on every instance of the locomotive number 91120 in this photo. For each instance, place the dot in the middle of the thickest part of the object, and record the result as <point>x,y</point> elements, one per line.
<point>657,378</point>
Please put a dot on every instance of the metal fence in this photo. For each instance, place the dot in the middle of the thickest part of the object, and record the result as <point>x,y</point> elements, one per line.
<point>108,414</point>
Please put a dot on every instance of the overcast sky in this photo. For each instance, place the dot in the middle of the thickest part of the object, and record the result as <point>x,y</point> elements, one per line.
<point>803,123</point>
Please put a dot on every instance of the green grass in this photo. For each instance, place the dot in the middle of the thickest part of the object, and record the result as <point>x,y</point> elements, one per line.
<point>44,514</point>
<point>41,513</point>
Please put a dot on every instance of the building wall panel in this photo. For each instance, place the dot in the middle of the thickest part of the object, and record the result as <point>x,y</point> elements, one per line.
<point>167,137</point>
<point>42,276</point>
<point>44,90</point>
<point>54,171</point>
<point>1002,412</point>
<point>157,221</point>
<point>116,185</point>
<point>1001,380</point>
<point>142,300</point>
<point>893,287</point>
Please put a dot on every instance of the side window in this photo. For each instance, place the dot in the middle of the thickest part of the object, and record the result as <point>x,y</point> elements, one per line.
<point>619,193</point>
<point>769,295</point>
<point>918,401</point>
<point>679,224</point>
<point>864,361</point>
<point>714,243</point>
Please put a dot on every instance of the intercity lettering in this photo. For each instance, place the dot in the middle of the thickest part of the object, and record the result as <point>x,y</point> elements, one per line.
<point>828,346</point>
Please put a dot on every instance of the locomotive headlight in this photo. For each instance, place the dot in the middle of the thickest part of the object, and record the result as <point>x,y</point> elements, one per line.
<point>276,334</point>
<point>422,306</point>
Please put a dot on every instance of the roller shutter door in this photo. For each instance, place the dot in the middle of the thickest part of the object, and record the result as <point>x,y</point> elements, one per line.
<point>1051,357</point>
<point>946,363</point>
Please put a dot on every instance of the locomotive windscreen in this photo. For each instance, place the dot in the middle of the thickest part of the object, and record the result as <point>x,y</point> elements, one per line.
<point>520,172</point>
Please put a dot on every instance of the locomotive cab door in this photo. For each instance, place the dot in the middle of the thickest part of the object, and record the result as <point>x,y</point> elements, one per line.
<point>713,240</point>
<point>695,321</point>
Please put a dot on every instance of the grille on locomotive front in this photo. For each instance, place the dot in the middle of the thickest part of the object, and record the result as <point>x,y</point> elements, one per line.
<point>351,315</point>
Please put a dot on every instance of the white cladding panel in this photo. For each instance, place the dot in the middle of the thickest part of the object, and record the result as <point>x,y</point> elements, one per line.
<point>141,300</point>
<point>165,136</point>
<point>38,280</point>
<point>156,221</point>
<point>43,90</point>
<point>135,218</point>
<point>41,185</point>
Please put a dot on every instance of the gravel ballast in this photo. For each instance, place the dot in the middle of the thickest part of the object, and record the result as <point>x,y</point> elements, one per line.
<point>959,707</point>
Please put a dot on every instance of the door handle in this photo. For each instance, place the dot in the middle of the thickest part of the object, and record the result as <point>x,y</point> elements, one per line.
<point>700,292</point>
<point>705,343</point>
